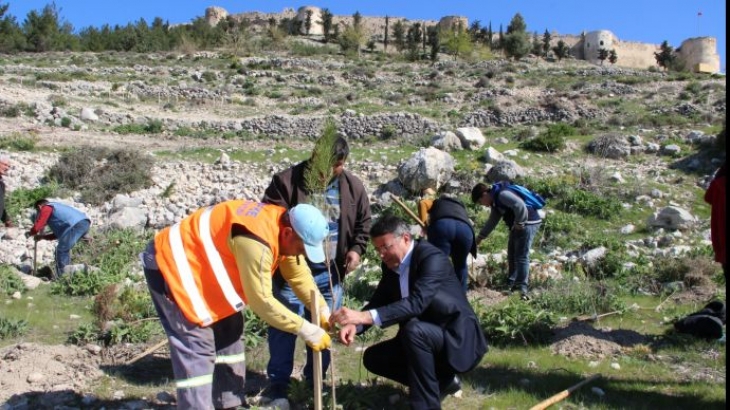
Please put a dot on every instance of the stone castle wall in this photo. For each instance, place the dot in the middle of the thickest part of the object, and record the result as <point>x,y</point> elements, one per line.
<point>694,53</point>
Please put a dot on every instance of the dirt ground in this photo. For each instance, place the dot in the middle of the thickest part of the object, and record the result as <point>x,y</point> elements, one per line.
<point>57,375</point>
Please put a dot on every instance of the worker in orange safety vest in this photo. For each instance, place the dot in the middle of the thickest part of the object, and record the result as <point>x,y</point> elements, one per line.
<point>203,270</point>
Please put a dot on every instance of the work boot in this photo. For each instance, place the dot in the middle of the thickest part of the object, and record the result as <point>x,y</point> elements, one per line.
<point>449,388</point>
<point>273,393</point>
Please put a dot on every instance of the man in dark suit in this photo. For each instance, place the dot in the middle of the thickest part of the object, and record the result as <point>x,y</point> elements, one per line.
<point>439,334</point>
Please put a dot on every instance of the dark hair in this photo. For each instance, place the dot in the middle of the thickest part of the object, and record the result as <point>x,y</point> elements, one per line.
<point>40,203</point>
<point>340,149</point>
<point>389,224</point>
<point>477,192</point>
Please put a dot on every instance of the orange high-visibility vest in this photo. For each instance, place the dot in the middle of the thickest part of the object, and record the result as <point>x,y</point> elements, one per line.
<point>197,264</point>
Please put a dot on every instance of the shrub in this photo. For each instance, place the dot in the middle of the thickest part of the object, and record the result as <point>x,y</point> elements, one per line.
<point>12,328</point>
<point>552,140</point>
<point>21,199</point>
<point>127,304</point>
<point>587,203</point>
<point>85,333</point>
<point>579,298</point>
<point>516,323</point>
<point>11,112</point>
<point>101,173</point>
<point>152,127</point>
<point>86,283</point>
<point>65,122</point>
<point>17,142</point>
<point>255,329</point>
<point>10,282</point>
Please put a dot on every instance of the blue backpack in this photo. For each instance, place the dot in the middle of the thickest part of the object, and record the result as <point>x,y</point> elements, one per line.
<point>531,198</point>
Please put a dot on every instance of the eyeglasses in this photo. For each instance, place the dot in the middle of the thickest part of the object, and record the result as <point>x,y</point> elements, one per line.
<point>386,247</point>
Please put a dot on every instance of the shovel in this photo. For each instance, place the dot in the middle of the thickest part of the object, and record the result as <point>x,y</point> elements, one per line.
<point>35,254</point>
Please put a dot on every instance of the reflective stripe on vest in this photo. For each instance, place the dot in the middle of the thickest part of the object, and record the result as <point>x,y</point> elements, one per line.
<point>216,263</point>
<point>231,359</point>
<point>194,381</point>
<point>214,258</point>
<point>186,275</point>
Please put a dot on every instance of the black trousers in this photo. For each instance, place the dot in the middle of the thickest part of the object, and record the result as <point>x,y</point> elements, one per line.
<point>414,357</point>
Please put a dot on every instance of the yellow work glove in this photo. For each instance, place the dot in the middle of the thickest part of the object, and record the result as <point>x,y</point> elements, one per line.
<point>314,336</point>
<point>324,319</point>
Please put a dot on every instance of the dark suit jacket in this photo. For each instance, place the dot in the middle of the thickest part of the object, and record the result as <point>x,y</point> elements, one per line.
<point>287,189</point>
<point>435,296</point>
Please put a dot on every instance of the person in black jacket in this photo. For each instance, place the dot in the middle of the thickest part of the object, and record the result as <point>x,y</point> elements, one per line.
<point>439,335</point>
<point>449,228</point>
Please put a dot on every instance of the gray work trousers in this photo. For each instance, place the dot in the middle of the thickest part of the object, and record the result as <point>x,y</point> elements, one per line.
<point>208,362</point>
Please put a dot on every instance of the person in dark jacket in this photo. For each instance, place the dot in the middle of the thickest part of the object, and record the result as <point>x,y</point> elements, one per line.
<point>439,335</point>
<point>348,211</point>
<point>4,166</point>
<point>523,223</point>
<point>449,228</point>
<point>67,224</point>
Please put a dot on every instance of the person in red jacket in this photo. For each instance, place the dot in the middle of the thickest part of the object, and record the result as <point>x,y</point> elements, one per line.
<point>715,196</point>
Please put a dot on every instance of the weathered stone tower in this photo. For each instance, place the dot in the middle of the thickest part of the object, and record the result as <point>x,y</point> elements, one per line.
<point>452,22</point>
<point>699,55</point>
<point>213,15</point>
<point>596,40</point>
<point>316,28</point>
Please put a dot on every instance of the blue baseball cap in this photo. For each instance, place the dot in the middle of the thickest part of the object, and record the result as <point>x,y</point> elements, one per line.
<point>309,223</point>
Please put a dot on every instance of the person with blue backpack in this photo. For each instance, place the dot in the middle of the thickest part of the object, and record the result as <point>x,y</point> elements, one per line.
<point>518,207</point>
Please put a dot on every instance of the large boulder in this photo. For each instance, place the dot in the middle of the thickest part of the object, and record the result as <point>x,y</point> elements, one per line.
<point>610,146</point>
<point>427,168</point>
<point>446,141</point>
<point>471,137</point>
<point>672,218</point>
<point>506,170</point>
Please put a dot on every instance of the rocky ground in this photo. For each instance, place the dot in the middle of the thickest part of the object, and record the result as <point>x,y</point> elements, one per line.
<point>57,376</point>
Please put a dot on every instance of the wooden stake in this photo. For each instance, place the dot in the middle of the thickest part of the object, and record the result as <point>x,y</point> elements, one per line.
<point>563,394</point>
<point>147,352</point>
<point>35,259</point>
<point>316,356</point>
<point>593,318</point>
<point>408,210</point>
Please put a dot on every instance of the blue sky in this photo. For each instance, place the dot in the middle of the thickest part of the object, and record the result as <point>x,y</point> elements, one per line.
<point>647,21</point>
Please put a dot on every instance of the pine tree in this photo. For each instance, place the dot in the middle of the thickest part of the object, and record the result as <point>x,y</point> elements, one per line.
<point>516,43</point>
<point>399,35</point>
<point>665,57</point>
<point>602,55</point>
<point>536,45</point>
<point>546,37</point>
<point>434,41</point>
<point>561,50</point>
<point>308,22</point>
<point>413,41</point>
<point>319,171</point>
<point>326,23</point>
<point>612,56</point>
<point>385,38</point>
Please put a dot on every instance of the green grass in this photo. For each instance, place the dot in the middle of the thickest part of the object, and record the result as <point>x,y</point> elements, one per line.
<point>48,315</point>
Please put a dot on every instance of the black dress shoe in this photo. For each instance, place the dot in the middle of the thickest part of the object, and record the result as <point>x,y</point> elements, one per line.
<point>453,386</point>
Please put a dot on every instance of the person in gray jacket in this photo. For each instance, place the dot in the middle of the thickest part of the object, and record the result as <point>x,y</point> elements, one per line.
<point>523,222</point>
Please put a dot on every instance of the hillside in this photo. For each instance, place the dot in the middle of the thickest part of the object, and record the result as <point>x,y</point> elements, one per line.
<point>218,126</point>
